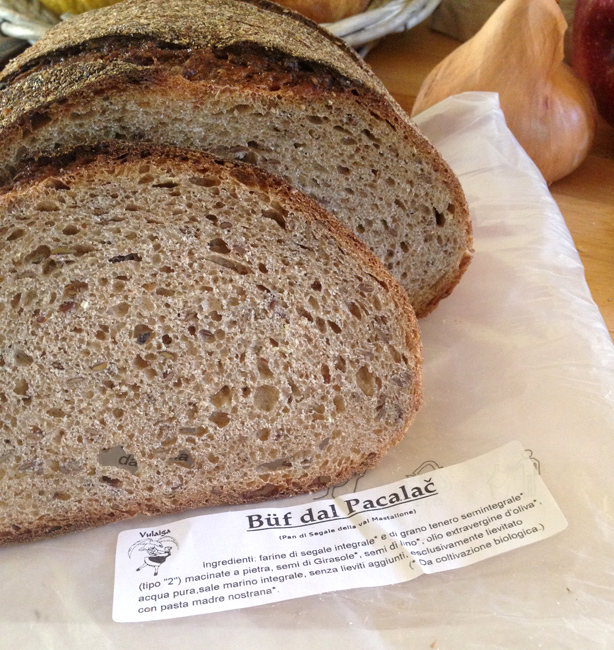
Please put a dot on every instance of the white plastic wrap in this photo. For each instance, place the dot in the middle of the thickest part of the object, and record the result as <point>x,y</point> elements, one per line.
<point>519,351</point>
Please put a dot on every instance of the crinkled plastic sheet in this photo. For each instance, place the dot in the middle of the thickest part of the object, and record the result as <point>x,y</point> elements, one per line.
<point>519,351</point>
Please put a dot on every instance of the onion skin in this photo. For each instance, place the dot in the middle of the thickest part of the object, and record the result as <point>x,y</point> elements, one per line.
<point>518,54</point>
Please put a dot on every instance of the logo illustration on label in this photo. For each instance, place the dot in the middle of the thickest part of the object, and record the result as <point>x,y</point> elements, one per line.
<point>425,468</point>
<point>156,546</point>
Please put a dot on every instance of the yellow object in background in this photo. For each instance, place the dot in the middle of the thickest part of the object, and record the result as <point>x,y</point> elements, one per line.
<point>60,7</point>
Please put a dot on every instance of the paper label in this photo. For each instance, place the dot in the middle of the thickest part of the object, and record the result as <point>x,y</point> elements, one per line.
<point>445,519</point>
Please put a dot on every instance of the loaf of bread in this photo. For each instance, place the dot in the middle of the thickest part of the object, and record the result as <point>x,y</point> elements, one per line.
<point>249,80</point>
<point>178,331</point>
<point>326,11</point>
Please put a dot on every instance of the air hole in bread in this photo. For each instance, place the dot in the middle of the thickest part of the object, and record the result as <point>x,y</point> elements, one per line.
<point>276,216</point>
<point>120,310</point>
<point>38,255</point>
<point>140,363</point>
<point>336,329</point>
<point>263,369</point>
<point>16,234</point>
<point>129,257</point>
<point>339,403</point>
<point>207,335</point>
<point>22,358</point>
<point>354,310</point>
<point>440,219</point>
<point>325,370</point>
<point>141,333</point>
<point>219,246</point>
<point>365,380</point>
<point>49,267</point>
<point>280,463</point>
<point>15,300</point>
<point>21,387</point>
<point>220,418</point>
<point>266,398</point>
<point>222,398</point>
<point>113,482</point>
<point>168,184</point>
<point>304,314</point>
<point>47,206</point>
<point>71,230</point>
<point>267,490</point>
<point>56,413</point>
<point>233,265</point>
<point>79,250</point>
<point>73,288</point>
<point>203,181</point>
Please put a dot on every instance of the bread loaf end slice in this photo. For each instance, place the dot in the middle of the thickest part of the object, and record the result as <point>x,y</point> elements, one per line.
<point>177,332</point>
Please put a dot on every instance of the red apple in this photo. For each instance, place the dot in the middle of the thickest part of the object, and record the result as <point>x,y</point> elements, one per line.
<point>593,51</point>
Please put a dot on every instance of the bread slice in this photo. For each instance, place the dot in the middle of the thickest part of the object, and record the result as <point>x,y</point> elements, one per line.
<point>252,81</point>
<point>177,331</point>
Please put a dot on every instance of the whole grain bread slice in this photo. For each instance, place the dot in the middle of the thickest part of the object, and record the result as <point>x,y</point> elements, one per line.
<point>249,80</point>
<point>178,331</point>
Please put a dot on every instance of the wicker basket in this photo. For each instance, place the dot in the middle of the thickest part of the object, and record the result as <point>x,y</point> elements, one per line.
<point>23,22</point>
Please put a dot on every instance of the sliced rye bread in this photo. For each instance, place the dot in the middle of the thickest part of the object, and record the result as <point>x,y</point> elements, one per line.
<point>178,331</point>
<point>249,80</point>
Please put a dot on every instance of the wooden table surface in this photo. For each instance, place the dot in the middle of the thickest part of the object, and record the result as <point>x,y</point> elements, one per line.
<point>585,197</point>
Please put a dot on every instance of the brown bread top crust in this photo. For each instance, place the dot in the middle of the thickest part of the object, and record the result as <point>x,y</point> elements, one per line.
<point>200,23</point>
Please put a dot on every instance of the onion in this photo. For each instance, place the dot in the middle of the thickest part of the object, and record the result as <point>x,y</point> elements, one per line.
<point>518,53</point>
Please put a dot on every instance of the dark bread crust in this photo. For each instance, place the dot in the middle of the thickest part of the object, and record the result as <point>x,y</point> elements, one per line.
<point>198,23</point>
<point>106,159</point>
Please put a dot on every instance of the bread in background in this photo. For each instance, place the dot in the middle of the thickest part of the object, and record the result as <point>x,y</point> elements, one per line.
<point>326,11</point>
